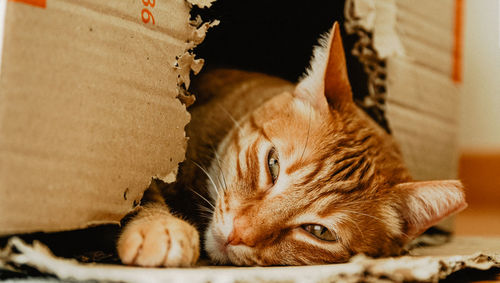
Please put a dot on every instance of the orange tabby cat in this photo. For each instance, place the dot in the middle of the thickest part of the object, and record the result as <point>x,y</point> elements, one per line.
<point>292,175</point>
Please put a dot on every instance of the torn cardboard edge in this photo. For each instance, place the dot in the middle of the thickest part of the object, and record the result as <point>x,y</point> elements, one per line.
<point>361,19</point>
<point>98,103</point>
<point>374,22</point>
<point>201,3</point>
<point>359,268</point>
<point>408,78</point>
<point>187,62</point>
<point>379,18</point>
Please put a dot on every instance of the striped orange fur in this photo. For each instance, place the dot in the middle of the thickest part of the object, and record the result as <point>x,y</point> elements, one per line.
<point>338,172</point>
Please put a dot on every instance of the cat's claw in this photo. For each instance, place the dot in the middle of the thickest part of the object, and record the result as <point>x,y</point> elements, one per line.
<point>159,241</point>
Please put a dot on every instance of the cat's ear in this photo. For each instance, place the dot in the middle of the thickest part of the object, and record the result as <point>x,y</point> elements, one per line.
<point>326,82</point>
<point>428,202</point>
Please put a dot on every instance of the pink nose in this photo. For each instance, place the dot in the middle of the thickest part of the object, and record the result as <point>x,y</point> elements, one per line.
<point>242,233</point>
<point>233,239</point>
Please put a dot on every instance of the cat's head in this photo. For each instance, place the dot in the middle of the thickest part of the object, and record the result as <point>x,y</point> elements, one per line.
<point>308,178</point>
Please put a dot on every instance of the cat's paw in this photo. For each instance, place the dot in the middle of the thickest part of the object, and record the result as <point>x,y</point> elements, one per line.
<point>159,241</point>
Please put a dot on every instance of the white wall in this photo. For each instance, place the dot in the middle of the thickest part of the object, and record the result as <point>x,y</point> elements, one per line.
<point>480,106</point>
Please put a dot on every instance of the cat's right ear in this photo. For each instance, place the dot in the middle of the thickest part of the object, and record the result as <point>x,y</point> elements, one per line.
<point>326,84</point>
<point>426,203</point>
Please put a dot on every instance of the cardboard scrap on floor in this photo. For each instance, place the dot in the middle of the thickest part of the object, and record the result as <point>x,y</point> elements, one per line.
<point>428,264</point>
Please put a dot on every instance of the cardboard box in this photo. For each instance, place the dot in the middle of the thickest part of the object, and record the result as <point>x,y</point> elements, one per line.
<point>89,108</point>
<point>424,84</point>
<point>412,52</point>
<point>418,47</point>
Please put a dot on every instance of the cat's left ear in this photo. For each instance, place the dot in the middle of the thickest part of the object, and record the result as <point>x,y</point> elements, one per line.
<point>428,202</point>
<point>326,82</point>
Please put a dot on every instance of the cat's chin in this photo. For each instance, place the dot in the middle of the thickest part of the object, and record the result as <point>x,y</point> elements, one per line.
<point>216,247</point>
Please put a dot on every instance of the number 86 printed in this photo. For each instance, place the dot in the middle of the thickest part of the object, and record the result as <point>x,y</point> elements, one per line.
<point>146,14</point>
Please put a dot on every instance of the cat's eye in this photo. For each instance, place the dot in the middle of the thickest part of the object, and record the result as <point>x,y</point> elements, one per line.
<point>320,232</point>
<point>273,164</point>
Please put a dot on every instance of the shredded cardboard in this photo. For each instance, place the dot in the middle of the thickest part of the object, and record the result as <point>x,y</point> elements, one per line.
<point>406,48</point>
<point>199,34</point>
<point>360,19</point>
<point>429,268</point>
<point>422,99</point>
<point>379,18</point>
<point>185,65</point>
<point>202,3</point>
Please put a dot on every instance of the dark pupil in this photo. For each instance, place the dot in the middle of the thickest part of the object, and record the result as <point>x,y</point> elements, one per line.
<point>273,161</point>
<point>323,231</point>
<point>320,229</point>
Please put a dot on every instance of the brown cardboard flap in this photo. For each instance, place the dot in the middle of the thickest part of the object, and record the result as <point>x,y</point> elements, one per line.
<point>413,45</point>
<point>422,111</point>
<point>422,100</point>
<point>89,110</point>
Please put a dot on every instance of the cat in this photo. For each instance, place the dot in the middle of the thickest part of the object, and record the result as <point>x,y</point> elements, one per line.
<point>290,174</point>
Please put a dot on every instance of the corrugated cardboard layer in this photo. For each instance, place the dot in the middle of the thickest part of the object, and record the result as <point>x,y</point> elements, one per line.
<point>426,32</point>
<point>416,39</point>
<point>433,266</point>
<point>413,85</point>
<point>421,107</point>
<point>88,109</point>
<point>433,154</point>
<point>422,100</point>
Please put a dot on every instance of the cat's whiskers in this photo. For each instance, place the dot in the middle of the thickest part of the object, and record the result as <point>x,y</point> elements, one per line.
<point>357,227</point>
<point>219,182</point>
<point>206,209</point>
<point>216,188</point>
<point>203,198</point>
<point>236,123</point>
<point>367,215</point>
<point>224,184</point>
<point>384,221</point>
<point>205,212</point>
<point>356,203</point>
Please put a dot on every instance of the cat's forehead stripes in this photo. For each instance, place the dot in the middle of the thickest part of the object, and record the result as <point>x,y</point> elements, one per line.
<point>238,150</point>
<point>327,169</point>
<point>259,128</point>
<point>338,169</point>
<point>252,164</point>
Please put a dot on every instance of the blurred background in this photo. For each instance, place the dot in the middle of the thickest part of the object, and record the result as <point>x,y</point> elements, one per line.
<point>479,139</point>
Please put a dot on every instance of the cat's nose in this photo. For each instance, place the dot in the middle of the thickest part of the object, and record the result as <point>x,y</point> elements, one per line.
<point>242,233</point>
<point>233,239</point>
